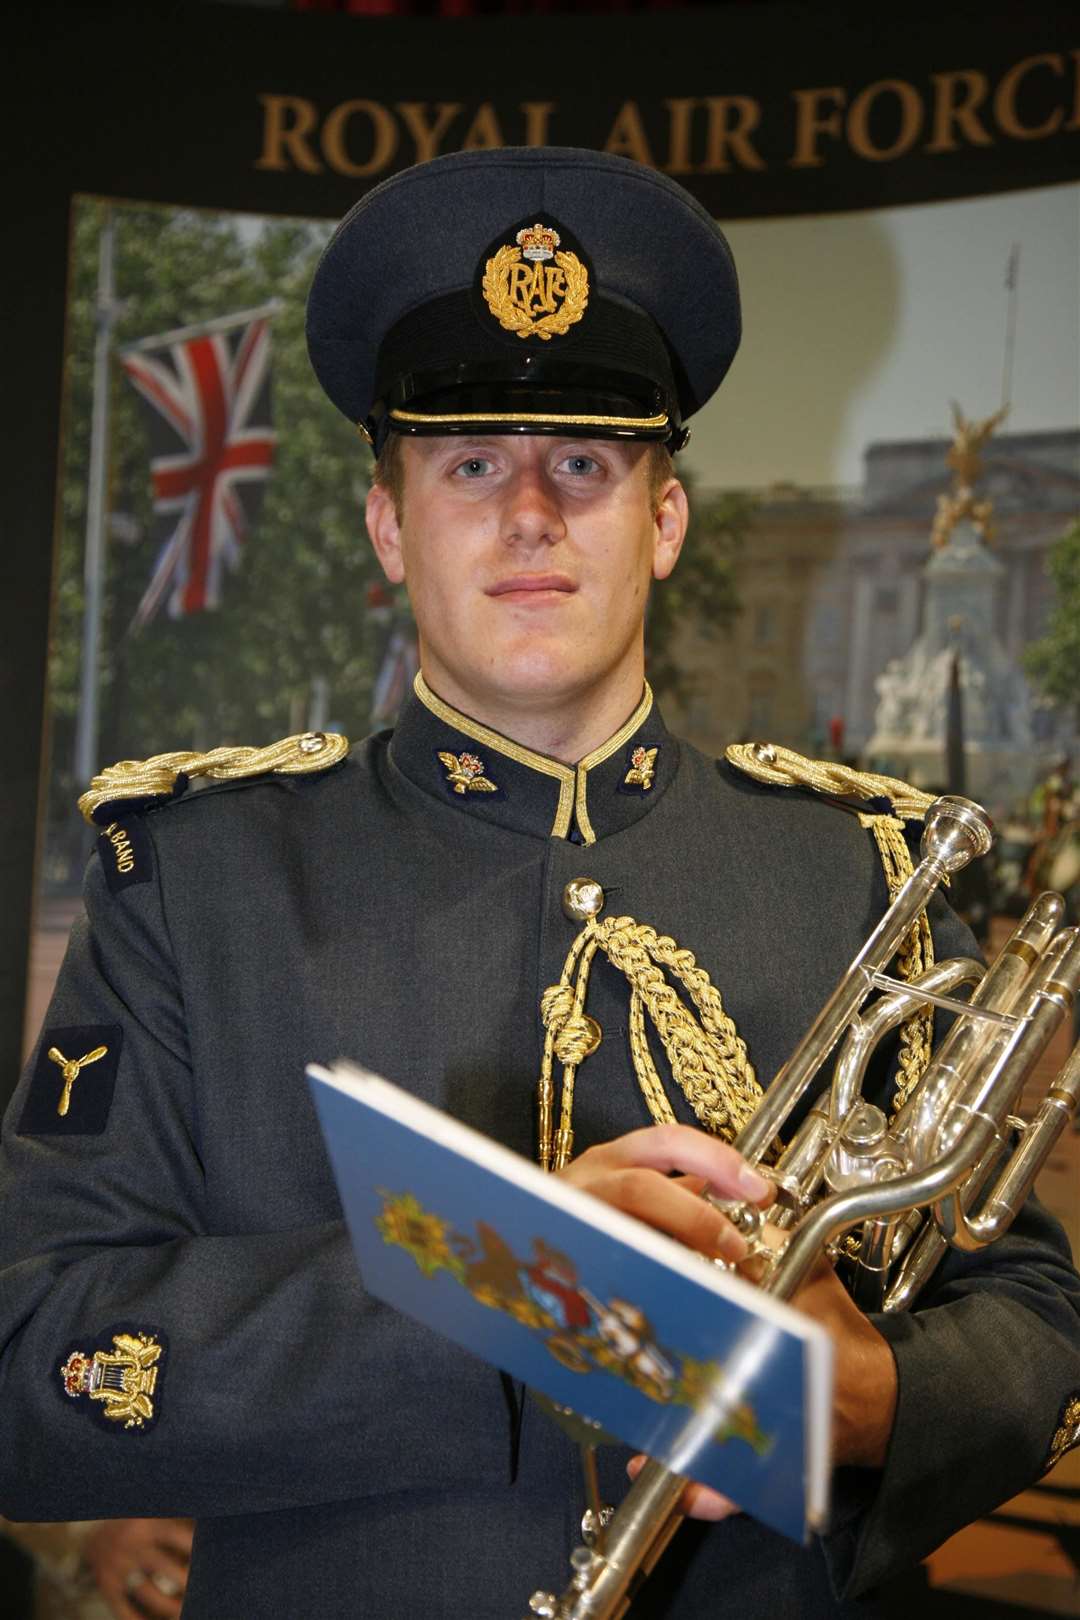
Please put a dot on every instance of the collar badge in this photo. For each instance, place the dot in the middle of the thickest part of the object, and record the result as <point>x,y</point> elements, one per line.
<point>465,774</point>
<point>532,288</point>
<point>123,1378</point>
<point>642,769</point>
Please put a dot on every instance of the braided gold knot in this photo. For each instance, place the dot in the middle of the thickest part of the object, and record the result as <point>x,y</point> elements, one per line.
<point>576,1038</point>
<point>708,1060</point>
<point>556,1005</point>
<point>572,1034</point>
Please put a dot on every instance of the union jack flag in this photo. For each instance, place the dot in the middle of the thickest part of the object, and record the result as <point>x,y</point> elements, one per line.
<point>207,390</point>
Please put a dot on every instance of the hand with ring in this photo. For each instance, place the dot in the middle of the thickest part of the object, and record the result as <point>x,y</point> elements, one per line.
<point>140,1566</point>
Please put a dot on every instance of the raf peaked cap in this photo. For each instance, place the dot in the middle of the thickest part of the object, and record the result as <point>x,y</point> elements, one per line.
<point>525,290</point>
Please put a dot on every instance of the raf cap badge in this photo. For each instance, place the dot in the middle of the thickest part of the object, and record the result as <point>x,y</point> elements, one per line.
<point>534,286</point>
<point>121,1381</point>
<point>71,1089</point>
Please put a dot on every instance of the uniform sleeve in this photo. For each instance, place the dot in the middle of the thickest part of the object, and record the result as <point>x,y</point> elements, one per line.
<point>988,1362</point>
<point>218,1374</point>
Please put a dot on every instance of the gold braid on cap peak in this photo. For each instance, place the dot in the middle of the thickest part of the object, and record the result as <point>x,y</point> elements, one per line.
<point>782,767</point>
<point>166,775</point>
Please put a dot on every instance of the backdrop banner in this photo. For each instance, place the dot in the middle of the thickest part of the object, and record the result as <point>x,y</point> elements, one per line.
<point>759,110</point>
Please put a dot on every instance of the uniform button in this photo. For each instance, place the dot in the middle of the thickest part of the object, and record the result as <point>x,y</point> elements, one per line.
<point>583,898</point>
<point>312,742</point>
<point>765,753</point>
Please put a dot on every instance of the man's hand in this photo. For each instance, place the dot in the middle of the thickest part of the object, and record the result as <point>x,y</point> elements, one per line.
<point>141,1565</point>
<point>634,1173</point>
<point>658,1174</point>
<point>864,1392</point>
<point>865,1389</point>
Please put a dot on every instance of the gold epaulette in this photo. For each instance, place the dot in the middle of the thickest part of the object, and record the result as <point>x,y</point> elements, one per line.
<point>166,776</point>
<point>782,767</point>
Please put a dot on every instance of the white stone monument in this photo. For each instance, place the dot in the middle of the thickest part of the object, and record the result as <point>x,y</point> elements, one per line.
<point>961,579</point>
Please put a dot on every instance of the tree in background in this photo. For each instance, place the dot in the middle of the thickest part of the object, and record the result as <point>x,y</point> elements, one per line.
<point>1053,662</point>
<point>293,620</point>
<point>702,593</point>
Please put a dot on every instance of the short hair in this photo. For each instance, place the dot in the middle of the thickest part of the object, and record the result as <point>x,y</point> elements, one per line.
<point>389,472</point>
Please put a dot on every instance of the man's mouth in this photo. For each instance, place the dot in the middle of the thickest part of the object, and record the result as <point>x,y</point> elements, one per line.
<point>523,587</point>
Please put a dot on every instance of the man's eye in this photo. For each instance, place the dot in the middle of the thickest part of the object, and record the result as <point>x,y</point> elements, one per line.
<point>475,467</point>
<point>580,465</point>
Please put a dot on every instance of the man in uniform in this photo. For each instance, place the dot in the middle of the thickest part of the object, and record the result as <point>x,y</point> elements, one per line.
<point>521,335</point>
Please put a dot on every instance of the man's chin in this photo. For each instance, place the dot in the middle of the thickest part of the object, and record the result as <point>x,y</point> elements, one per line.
<point>538,685</point>
<point>532,681</point>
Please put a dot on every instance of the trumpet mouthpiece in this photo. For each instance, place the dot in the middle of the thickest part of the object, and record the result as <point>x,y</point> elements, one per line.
<point>955,832</point>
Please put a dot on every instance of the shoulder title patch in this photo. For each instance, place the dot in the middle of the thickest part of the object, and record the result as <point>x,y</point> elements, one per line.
<point>71,1089</point>
<point>126,854</point>
<point>166,776</point>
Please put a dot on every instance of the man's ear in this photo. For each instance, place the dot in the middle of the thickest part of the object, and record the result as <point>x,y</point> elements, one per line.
<point>670,521</point>
<point>384,531</point>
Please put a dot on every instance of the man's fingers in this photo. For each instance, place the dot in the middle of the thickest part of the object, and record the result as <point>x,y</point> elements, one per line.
<point>148,1599</point>
<point>657,1175</point>
<point>669,1208</point>
<point>698,1501</point>
<point>170,1562</point>
<point>683,1148</point>
<point>172,1545</point>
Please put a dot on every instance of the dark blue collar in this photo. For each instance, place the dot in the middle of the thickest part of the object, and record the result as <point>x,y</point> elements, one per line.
<point>489,776</point>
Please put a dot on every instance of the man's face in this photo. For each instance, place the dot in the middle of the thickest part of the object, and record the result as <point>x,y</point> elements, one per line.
<point>528,562</point>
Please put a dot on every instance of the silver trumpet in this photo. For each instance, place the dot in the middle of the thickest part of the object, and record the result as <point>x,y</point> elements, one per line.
<point>952,1168</point>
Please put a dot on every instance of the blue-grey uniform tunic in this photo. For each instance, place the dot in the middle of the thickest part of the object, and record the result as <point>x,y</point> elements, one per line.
<point>341,1460</point>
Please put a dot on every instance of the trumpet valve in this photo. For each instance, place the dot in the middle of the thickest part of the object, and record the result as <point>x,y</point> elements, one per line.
<point>865,1151</point>
<point>747,1219</point>
<point>594,1524</point>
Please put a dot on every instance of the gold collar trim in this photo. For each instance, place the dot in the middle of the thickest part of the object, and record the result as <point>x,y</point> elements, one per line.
<point>598,756</point>
<point>563,774</point>
<point>571,779</point>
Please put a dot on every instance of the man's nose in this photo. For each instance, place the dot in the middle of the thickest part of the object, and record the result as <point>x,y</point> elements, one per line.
<point>533,514</point>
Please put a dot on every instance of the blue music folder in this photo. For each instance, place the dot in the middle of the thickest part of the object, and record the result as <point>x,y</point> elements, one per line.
<point>602,1314</point>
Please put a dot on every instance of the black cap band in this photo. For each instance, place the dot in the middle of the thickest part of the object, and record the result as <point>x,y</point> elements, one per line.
<point>441,370</point>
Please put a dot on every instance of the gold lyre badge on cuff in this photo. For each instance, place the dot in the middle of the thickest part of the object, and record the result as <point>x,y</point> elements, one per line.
<point>122,1380</point>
